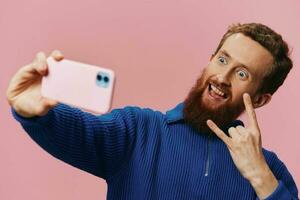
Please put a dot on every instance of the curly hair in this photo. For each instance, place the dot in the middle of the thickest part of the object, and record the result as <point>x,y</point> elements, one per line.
<point>271,41</point>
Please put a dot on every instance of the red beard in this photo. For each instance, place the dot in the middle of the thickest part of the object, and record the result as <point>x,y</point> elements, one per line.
<point>196,112</point>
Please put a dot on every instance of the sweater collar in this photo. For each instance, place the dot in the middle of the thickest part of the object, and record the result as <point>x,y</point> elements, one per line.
<point>176,114</point>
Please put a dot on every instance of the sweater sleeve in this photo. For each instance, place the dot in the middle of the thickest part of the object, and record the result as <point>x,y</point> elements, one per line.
<point>99,145</point>
<point>286,188</point>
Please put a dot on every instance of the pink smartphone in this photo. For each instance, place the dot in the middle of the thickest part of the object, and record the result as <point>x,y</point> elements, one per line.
<point>82,85</point>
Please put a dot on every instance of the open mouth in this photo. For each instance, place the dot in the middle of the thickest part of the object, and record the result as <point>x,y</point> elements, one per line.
<point>216,92</point>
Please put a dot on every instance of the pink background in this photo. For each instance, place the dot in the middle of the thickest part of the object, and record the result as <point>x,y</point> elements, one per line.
<point>157,49</point>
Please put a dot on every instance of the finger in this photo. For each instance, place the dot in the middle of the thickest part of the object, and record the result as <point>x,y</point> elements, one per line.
<point>250,110</point>
<point>233,132</point>
<point>57,55</point>
<point>218,132</point>
<point>29,72</point>
<point>40,63</point>
<point>241,129</point>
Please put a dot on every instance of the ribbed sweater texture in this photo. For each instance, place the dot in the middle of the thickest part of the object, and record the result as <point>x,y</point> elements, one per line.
<point>146,154</point>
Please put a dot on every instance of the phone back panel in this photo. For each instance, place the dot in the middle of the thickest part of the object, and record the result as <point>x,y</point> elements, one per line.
<point>86,86</point>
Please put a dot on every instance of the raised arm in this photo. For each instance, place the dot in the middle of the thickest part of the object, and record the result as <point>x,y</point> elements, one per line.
<point>96,144</point>
<point>99,145</point>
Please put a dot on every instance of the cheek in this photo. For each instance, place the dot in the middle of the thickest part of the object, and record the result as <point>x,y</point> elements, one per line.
<point>238,89</point>
<point>212,68</point>
<point>210,71</point>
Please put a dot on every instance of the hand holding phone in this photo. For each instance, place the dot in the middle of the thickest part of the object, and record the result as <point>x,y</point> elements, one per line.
<point>24,89</point>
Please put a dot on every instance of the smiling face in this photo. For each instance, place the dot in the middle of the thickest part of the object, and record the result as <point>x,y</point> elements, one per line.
<point>238,67</point>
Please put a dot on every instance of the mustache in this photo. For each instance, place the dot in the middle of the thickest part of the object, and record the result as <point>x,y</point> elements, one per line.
<point>196,112</point>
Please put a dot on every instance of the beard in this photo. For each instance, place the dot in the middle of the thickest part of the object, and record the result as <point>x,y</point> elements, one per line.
<point>196,112</point>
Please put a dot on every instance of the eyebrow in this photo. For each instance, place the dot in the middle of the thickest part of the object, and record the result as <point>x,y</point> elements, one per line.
<point>227,55</point>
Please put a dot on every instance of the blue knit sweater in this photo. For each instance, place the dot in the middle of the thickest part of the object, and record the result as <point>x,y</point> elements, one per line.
<point>146,154</point>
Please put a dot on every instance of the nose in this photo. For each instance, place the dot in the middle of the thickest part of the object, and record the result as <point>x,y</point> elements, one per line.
<point>224,77</point>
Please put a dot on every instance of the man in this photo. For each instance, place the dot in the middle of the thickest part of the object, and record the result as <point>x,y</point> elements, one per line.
<point>197,150</point>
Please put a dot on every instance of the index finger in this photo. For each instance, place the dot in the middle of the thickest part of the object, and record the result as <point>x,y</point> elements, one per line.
<point>250,110</point>
<point>218,132</point>
<point>57,55</point>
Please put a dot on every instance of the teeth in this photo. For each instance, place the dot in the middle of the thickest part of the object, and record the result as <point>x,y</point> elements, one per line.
<point>216,90</point>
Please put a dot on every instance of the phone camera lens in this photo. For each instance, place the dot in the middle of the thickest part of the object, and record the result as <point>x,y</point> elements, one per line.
<point>106,79</point>
<point>103,79</point>
<point>99,77</point>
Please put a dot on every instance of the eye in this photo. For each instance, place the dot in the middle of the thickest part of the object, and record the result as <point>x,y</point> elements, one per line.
<point>242,74</point>
<point>222,60</point>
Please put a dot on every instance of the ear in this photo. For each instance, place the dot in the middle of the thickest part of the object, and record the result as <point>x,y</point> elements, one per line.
<point>261,100</point>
